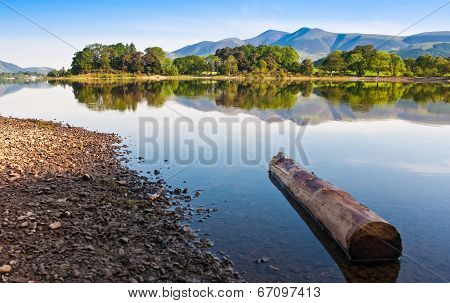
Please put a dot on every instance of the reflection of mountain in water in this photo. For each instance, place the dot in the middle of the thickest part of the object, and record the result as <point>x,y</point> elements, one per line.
<point>10,87</point>
<point>315,110</point>
<point>272,101</point>
<point>422,103</point>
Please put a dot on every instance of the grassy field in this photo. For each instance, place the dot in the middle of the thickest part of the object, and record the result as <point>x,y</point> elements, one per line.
<point>129,76</point>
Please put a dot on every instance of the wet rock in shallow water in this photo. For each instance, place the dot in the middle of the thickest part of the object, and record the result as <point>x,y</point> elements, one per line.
<point>156,172</point>
<point>262,260</point>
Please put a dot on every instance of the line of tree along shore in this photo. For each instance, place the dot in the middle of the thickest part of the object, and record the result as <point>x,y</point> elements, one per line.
<point>260,60</point>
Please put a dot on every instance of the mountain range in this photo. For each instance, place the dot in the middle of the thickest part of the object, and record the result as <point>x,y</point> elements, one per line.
<point>315,43</point>
<point>6,67</point>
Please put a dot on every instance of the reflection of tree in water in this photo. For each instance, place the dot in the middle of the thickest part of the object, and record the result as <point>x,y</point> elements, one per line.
<point>246,95</point>
<point>258,95</point>
<point>105,97</point>
<point>263,95</point>
<point>156,93</point>
<point>122,96</point>
<point>196,88</point>
<point>363,96</point>
<point>428,92</point>
<point>359,96</point>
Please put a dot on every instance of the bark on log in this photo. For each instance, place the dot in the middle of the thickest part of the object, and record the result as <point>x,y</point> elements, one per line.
<point>362,234</point>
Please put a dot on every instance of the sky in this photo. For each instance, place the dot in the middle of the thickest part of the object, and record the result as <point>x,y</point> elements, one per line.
<point>25,25</point>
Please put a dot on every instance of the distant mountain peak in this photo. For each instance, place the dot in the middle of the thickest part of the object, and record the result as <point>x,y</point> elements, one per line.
<point>314,43</point>
<point>6,67</point>
<point>266,38</point>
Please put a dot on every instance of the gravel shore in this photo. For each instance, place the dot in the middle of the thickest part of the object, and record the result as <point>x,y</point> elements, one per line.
<point>71,212</point>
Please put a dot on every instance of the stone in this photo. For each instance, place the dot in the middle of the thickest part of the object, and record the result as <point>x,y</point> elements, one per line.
<point>55,225</point>
<point>124,240</point>
<point>262,260</point>
<point>24,224</point>
<point>86,177</point>
<point>5,269</point>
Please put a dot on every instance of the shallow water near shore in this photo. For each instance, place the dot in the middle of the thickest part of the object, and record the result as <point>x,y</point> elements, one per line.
<point>387,144</point>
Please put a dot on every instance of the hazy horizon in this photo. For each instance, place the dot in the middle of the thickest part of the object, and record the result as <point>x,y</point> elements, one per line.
<point>174,24</point>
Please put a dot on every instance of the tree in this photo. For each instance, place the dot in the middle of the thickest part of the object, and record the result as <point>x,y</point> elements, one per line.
<point>396,65</point>
<point>356,63</point>
<point>213,63</point>
<point>191,65</point>
<point>158,52</point>
<point>334,62</point>
<point>230,66</point>
<point>105,63</point>
<point>380,62</point>
<point>83,61</point>
<point>262,65</point>
<point>137,63</point>
<point>169,68</point>
<point>152,64</point>
<point>263,58</point>
<point>307,68</point>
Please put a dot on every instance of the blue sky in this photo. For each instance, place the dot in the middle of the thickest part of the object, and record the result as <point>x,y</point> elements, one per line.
<point>174,24</point>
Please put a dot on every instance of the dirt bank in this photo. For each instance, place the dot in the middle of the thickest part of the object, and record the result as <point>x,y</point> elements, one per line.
<point>71,212</point>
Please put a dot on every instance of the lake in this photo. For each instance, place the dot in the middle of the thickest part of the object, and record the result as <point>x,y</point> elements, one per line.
<point>388,144</point>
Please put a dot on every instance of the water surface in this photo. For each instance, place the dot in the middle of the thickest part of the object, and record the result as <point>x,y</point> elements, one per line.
<point>387,144</point>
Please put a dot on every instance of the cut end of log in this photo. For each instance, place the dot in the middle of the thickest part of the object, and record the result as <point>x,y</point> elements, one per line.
<point>375,240</point>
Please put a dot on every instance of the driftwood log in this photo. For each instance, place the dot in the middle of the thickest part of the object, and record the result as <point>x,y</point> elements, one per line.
<point>361,233</point>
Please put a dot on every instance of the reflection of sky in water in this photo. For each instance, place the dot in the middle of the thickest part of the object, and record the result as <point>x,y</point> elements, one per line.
<point>398,168</point>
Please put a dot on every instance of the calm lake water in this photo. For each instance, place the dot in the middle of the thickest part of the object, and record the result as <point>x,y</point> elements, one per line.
<point>386,144</point>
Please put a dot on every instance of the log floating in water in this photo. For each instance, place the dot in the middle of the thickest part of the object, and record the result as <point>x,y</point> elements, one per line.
<point>353,271</point>
<point>362,234</point>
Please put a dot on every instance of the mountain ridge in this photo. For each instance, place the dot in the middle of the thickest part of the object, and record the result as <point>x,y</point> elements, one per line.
<point>6,67</point>
<point>315,43</point>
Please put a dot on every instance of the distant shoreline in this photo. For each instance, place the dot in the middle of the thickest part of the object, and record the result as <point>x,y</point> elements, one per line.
<point>114,77</point>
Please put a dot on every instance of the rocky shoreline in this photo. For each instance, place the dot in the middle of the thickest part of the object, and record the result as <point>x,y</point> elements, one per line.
<point>71,212</point>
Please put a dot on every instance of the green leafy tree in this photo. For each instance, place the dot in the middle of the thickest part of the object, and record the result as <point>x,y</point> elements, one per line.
<point>334,62</point>
<point>380,62</point>
<point>307,68</point>
<point>83,61</point>
<point>396,65</point>
<point>230,66</point>
<point>213,63</point>
<point>191,65</point>
<point>356,63</point>
<point>169,68</point>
